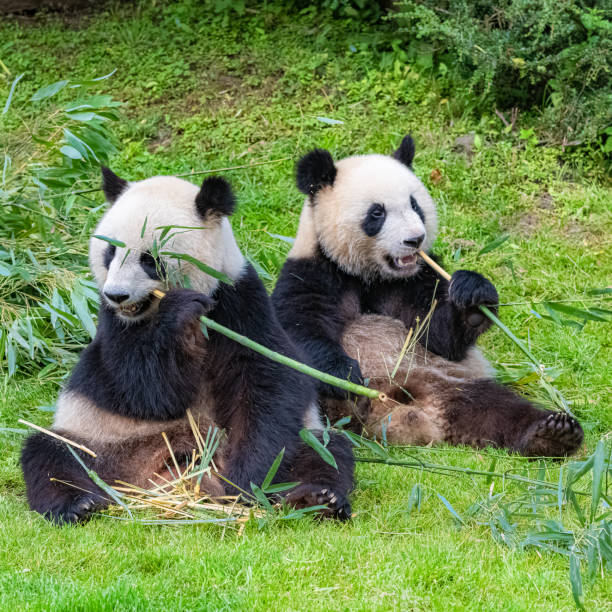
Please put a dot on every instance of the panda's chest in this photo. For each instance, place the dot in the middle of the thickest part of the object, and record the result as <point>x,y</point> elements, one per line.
<point>380,299</point>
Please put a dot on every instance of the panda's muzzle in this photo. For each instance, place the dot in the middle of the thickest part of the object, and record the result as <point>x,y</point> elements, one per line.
<point>401,263</point>
<point>132,309</point>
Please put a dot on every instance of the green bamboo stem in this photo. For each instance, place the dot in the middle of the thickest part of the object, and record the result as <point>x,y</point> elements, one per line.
<point>292,363</point>
<point>433,467</point>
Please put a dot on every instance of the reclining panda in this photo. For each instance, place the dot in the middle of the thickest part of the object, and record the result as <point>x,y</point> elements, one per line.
<point>352,288</point>
<point>150,362</point>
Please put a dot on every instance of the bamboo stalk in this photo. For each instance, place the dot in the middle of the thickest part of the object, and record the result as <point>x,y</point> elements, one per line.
<point>292,363</point>
<point>58,437</point>
<point>444,274</point>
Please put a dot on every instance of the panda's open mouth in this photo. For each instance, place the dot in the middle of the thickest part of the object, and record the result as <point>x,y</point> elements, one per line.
<point>135,309</point>
<point>402,263</point>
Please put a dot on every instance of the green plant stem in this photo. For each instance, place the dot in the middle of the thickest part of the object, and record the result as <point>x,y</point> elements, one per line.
<point>510,335</point>
<point>292,363</point>
<point>433,467</point>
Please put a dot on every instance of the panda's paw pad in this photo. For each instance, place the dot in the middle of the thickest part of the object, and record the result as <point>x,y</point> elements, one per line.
<point>557,434</point>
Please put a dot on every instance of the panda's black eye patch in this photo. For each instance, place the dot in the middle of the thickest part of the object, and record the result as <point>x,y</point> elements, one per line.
<point>374,219</point>
<point>153,267</point>
<point>109,255</point>
<point>417,209</point>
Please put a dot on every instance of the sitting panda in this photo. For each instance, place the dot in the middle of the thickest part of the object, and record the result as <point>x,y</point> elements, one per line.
<point>150,362</point>
<point>353,287</point>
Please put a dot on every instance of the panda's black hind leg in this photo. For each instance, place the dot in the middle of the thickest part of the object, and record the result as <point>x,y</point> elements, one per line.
<point>44,459</point>
<point>555,435</point>
<point>320,483</point>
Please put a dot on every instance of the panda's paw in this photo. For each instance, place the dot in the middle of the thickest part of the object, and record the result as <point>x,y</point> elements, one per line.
<point>74,509</point>
<point>468,290</point>
<point>556,435</point>
<point>337,505</point>
<point>346,369</point>
<point>181,307</point>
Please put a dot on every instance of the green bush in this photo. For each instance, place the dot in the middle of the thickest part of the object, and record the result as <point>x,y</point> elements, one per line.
<point>552,54</point>
<point>47,308</point>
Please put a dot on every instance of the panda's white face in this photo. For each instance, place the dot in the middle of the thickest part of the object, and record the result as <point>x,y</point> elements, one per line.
<point>374,218</point>
<point>158,216</point>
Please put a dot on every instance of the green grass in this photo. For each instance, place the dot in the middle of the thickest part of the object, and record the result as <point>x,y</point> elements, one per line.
<point>207,92</point>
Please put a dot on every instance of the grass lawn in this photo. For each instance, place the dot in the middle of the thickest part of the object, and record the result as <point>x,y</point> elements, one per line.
<point>204,92</point>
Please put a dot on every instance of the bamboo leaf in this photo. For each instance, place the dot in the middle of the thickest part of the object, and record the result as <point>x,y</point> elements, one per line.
<point>286,239</point>
<point>11,92</point>
<point>329,121</point>
<point>450,508</point>
<point>200,265</point>
<point>273,469</point>
<point>494,244</point>
<point>49,90</point>
<point>112,241</point>
<point>579,313</point>
<point>575,579</point>
<point>599,469</point>
<point>70,152</point>
<point>415,498</point>
<point>309,438</point>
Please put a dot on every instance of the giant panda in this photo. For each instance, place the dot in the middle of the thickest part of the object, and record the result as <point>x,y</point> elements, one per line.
<point>150,361</point>
<point>353,287</point>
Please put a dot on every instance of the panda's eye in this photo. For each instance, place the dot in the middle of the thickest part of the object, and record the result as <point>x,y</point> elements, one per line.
<point>109,255</point>
<point>417,209</point>
<point>374,220</point>
<point>153,267</point>
<point>377,211</point>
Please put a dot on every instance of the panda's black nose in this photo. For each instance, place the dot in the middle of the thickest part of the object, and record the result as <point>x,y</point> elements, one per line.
<point>116,297</point>
<point>415,242</point>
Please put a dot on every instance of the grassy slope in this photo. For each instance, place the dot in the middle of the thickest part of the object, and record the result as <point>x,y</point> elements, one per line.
<point>207,94</point>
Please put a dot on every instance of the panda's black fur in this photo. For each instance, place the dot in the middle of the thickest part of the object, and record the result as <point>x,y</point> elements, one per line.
<point>350,312</point>
<point>138,378</point>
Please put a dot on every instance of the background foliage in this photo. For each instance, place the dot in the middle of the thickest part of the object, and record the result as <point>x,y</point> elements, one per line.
<point>551,55</point>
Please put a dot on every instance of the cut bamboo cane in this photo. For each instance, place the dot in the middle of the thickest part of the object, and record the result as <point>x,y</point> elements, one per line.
<point>58,437</point>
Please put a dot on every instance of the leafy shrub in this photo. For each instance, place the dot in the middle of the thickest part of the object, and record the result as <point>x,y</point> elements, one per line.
<point>46,305</point>
<point>551,53</point>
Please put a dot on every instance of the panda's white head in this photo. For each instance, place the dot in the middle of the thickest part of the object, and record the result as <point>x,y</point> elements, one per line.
<point>369,214</point>
<point>156,225</point>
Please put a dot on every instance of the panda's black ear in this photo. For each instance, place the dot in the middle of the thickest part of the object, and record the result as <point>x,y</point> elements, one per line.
<point>405,153</point>
<point>215,196</point>
<point>314,171</point>
<point>112,185</point>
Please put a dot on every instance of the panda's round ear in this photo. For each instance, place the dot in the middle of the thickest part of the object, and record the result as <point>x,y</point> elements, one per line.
<point>112,185</point>
<point>405,153</point>
<point>215,196</point>
<point>314,171</point>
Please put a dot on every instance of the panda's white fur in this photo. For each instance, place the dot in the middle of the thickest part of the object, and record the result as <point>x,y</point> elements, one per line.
<point>334,223</point>
<point>138,218</point>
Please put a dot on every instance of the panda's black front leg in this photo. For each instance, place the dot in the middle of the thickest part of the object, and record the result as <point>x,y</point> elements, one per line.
<point>57,486</point>
<point>458,321</point>
<point>331,358</point>
<point>155,367</point>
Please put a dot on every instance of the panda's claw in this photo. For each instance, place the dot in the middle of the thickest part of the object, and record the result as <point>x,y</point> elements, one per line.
<point>306,496</point>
